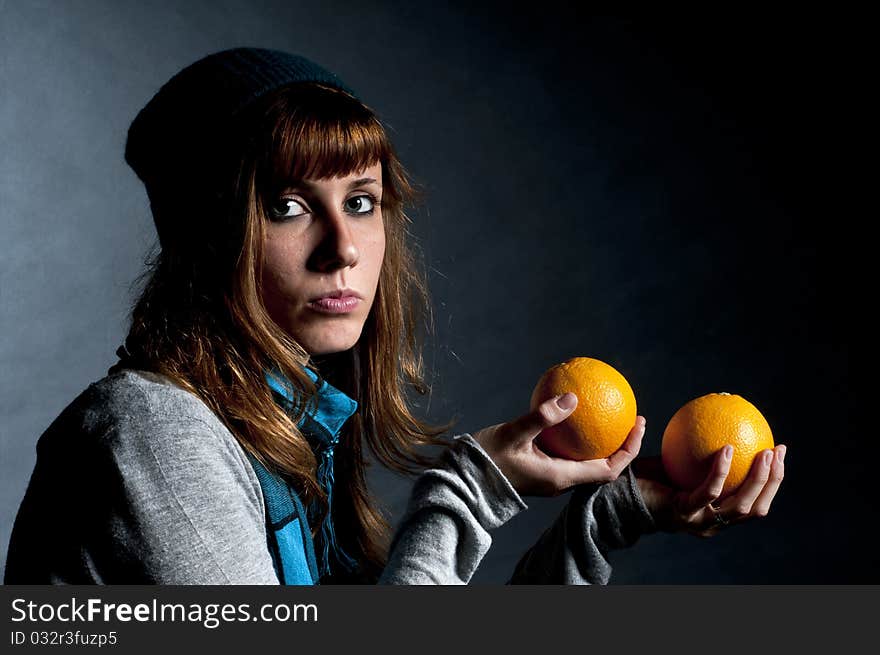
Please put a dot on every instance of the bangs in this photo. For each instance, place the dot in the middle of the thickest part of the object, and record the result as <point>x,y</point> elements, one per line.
<point>316,132</point>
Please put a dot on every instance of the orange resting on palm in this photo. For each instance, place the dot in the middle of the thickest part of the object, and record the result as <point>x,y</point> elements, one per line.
<point>605,414</point>
<point>704,426</point>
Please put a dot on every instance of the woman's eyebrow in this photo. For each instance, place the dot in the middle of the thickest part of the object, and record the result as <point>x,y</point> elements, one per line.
<point>361,182</point>
<point>356,183</point>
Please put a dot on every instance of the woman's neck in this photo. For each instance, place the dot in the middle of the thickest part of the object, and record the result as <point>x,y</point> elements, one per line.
<point>336,368</point>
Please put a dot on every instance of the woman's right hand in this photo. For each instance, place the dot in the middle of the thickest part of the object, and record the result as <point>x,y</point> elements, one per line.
<point>531,471</point>
<point>699,511</point>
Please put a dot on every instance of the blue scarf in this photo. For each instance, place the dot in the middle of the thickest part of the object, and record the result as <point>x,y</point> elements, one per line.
<point>290,539</point>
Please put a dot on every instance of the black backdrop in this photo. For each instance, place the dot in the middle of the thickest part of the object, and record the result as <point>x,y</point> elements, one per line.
<point>666,193</point>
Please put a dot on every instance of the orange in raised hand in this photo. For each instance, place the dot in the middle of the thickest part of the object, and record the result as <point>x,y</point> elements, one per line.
<point>704,426</point>
<point>605,414</point>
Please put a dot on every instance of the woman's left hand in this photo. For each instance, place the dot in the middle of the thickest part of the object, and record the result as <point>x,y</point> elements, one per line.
<point>699,511</point>
<point>531,471</point>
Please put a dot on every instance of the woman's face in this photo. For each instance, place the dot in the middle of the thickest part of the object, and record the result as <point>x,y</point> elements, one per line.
<point>325,238</point>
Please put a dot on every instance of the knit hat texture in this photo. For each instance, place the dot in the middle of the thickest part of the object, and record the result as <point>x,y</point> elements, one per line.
<point>177,139</point>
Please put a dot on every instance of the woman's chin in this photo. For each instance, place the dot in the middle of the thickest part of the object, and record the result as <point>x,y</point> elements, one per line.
<point>329,346</point>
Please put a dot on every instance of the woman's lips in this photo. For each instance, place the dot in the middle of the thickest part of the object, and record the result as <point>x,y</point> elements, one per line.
<point>335,305</point>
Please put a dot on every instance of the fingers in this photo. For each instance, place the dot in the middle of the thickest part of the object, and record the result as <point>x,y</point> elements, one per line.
<point>758,490</point>
<point>740,504</point>
<point>550,412</point>
<point>714,482</point>
<point>630,448</point>
<point>761,506</point>
<point>608,469</point>
<point>752,499</point>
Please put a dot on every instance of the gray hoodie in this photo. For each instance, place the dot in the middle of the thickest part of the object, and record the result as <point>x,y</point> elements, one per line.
<point>138,482</point>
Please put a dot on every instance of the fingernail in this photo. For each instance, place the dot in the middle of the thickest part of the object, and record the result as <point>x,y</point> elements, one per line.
<point>566,401</point>
<point>768,457</point>
<point>641,421</point>
<point>728,452</point>
<point>780,454</point>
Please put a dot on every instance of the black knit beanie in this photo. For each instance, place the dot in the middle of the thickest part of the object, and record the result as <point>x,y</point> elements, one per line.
<point>176,141</point>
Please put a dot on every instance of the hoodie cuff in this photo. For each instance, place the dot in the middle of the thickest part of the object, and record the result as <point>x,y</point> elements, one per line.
<point>498,501</point>
<point>623,515</point>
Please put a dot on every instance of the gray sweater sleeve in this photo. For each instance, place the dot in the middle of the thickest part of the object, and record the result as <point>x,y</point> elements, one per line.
<point>596,520</point>
<point>444,532</point>
<point>187,509</point>
<point>137,482</point>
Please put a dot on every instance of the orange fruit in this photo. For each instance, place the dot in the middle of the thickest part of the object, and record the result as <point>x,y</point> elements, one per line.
<point>605,413</point>
<point>704,426</point>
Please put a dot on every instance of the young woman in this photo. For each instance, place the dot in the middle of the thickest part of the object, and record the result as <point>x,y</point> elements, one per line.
<point>275,343</point>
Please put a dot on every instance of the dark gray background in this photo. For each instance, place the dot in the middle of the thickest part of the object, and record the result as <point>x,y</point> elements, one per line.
<point>666,194</point>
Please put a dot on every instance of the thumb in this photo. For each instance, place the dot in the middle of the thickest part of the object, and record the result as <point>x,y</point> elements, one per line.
<point>550,412</point>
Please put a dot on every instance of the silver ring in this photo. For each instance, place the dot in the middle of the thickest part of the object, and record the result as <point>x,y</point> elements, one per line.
<point>716,513</point>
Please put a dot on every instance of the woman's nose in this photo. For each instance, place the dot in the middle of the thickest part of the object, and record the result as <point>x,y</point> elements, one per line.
<point>337,248</point>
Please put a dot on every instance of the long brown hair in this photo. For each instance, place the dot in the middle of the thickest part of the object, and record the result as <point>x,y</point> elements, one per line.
<point>201,322</point>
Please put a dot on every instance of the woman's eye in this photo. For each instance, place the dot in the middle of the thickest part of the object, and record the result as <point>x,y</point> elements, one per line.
<point>360,205</point>
<point>287,208</point>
